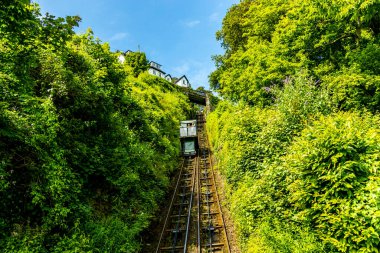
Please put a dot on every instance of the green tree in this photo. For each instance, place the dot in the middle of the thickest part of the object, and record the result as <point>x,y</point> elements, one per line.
<point>85,147</point>
<point>277,38</point>
<point>137,61</point>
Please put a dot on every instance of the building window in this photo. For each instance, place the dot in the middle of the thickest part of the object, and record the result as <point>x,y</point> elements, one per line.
<point>183,81</point>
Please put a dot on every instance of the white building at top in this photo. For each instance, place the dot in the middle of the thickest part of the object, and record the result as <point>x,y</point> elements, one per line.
<point>183,81</point>
<point>155,69</point>
<point>168,78</point>
<point>121,57</point>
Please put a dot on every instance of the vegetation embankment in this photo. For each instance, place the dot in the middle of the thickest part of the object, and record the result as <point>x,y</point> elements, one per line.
<point>297,137</point>
<point>86,143</point>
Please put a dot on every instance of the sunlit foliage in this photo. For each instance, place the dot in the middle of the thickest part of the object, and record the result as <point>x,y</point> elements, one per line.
<point>298,138</point>
<point>337,42</point>
<point>290,165</point>
<point>87,144</point>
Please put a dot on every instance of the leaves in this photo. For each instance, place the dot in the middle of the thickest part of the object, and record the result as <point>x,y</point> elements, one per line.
<point>266,41</point>
<point>287,161</point>
<point>84,157</point>
<point>338,179</point>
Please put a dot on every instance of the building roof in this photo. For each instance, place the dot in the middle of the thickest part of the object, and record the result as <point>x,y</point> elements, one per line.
<point>160,70</point>
<point>182,78</point>
<point>150,63</point>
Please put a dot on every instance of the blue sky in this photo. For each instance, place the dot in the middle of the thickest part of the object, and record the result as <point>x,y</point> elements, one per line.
<point>178,34</point>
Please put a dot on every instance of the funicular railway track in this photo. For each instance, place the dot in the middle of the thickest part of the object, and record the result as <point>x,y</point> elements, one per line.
<point>194,222</point>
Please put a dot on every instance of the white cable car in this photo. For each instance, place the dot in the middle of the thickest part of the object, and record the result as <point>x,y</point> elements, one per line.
<point>188,136</point>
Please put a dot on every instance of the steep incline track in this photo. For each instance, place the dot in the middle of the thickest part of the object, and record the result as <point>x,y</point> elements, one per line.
<point>194,222</point>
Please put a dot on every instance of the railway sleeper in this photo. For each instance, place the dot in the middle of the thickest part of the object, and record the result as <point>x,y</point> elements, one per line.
<point>208,202</point>
<point>179,222</point>
<point>185,186</point>
<point>212,228</point>
<point>208,192</point>
<point>171,248</point>
<point>183,194</point>
<point>176,215</point>
<point>215,245</point>
<point>185,203</point>
<point>211,213</point>
<point>179,230</point>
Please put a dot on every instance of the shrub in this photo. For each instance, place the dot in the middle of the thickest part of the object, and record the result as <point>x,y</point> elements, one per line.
<point>274,235</point>
<point>335,179</point>
<point>86,147</point>
<point>249,143</point>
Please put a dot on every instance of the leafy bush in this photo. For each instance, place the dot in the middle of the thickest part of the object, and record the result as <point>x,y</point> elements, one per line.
<point>353,90</point>
<point>266,41</point>
<point>273,235</point>
<point>247,138</point>
<point>281,154</point>
<point>250,142</point>
<point>87,144</point>
<point>335,166</point>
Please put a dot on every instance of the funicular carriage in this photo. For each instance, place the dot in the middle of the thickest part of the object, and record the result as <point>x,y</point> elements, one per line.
<point>188,136</point>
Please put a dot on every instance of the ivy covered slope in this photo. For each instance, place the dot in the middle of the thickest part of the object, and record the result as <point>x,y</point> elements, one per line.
<point>86,143</point>
<point>297,137</point>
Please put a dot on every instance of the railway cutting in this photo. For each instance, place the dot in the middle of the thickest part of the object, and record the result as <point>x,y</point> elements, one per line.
<point>194,221</point>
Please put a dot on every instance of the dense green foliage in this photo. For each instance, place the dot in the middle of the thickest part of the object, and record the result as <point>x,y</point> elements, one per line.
<point>137,61</point>
<point>86,143</point>
<point>315,175</point>
<point>298,140</point>
<point>334,175</point>
<point>337,42</point>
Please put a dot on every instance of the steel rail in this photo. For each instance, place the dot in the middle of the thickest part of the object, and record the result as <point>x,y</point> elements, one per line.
<point>170,206</point>
<point>199,188</point>
<point>208,193</point>
<point>190,205</point>
<point>211,182</point>
<point>217,197</point>
<point>197,179</point>
<point>174,244</point>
